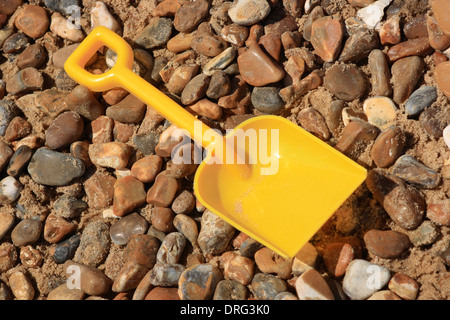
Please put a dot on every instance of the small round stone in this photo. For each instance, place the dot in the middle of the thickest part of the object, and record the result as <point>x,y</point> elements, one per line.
<point>142,249</point>
<point>21,286</point>
<point>8,256</point>
<point>32,20</point>
<point>270,262</point>
<point>266,286</point>
<point>248,12</point>
<point>171,248</point>
<point>10,189</point>
<point>387,244</point>
<point>94,244</point>
<point>26,232</point>
<point>215,233</point>
<point>65,129</point>
<point>312,286</point>
<point>31,257</point>
<point>66,249</point>
<point>184,203</point>
<point>267,100</point>
<point>345,81</point>
<point>199,282</point>
<point>132,224</point>
<point>230,290</point>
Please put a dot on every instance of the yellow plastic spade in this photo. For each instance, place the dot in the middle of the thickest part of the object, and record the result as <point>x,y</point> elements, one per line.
<point>277,183</point>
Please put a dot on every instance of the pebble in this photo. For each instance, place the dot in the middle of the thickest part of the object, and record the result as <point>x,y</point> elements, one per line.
<point>62,6</point>
<point>10,189</point>
<point>363,278</point>
<point>9,7</point>
<point>359,45</point>
<point>181,77</point>
<point>162,219</point>
<point>426,234</point>
<point>326,37</point>
<point>161,293</point>
<point>100,16</point>
<point>60,56</point>
<point>267,100</point>
<point>384,295</point>
<point>187,227</point>
<point>419,100</point>
<point>6,223</point>
<point>26,80</point>
<point>440,8</point>
<point>65,250</point>
<point>184,203</point>
<point>411,170</point>
<point>316,13</point>
<point>388,147</point>
<point>257,68</point>
<point>128,226</point>
<point>239,98</point>
<point>381,112</point>
<point>147,168</point>
<point>56,228</point>
<point>156,34</point>
<point>206,108</point>
<point>8,256</point>
<point>373,13</point>
<point>33,56</point>
<point>312,121</point>
<point>270,262</point>
<point>195,89</point>
<point>412,47</point>
<point>5,33</point>
<point>198,282</point>
<point>129,277</point>
<point>94,244</point>
<point>249,247</point>
<point>403,203</point>
<point>21,286</point>
<point>189,15</point>
<point>129,110</point>
<point>167,141</point>
<point>305,259</point>
<point>99,189</point>
<point>429,118</point>
<point>65,129</point>
<point>387,244</point>
<point>349,114</point>
<point>235,34</point>
<point>32,20</point>
<point>65,29</point>
<point>390,31</point>
<point>271,43</point>
<point>437,212</point>
<point>163,191</point>
<point>441,75</point>
<point>166,274</point>
<point>237,268</point>
<point>26,232</point>
<point>346,82</point>
<point>92,280</point>
<point>53,168</point>
<point>129,193</point>
<point>312,286</point>
<point>249,12</point>
<point>114,96</point>
<point>404,286</point>
<point>215,233</point>
<point>111,155</point>
<point>167,8</point>
<point>171,248</point>
<point>355,134</point>
<point>406,73</point>
<point>8,111</point>
<point>438,40</point>
<point>266,286</point>
<point>141,249</point>
<point>294,67</point>
<point>102,129</point>
<point>439,57</point>
<point>180,42</point>
<point>146,143</point>
<point>416,27</point>
<point>15,43</point>
<point>337,256</point>
<point>62,292</point>
<point>230,290</point>
<point>208,45</point>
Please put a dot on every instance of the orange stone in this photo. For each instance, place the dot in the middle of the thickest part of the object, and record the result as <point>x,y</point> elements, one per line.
<point>326,37</point>
<point>441,9</point>
<point>442,77</point>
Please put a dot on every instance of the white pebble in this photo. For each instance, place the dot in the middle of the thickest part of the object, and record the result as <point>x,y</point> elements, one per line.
<point>100,16</point>
<point>9,190</point>
<point>446,135</point>
<point>373,14</point>
<point>65,28</point>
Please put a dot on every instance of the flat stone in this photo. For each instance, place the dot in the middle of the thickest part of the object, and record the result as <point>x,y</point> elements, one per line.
<point>94,245</point>
<point>359,45</point>
<point>404,286</point>
<point>100,16</point>
<point>132,224</point>
<point>312,286</point>
<point>311,120</point>
<point>32,20</point>
<point>406,73</point>
<point>156,34</point>
<point>82,101</point>
<point>360,272</point>
<point>53,168</point>
<point>420,99</point>
<point>141,249</point>
<point>441,75</point>
<point>33,56</point>
<point>189,15</point>
<point>195,89</point>
<point>346,82</point>
<point>411,170</point>
<point>65,129</point>
<point>92,282</point>
<point>128,110</point>
<point>326,37</point>
<point>416,27</point>
<point>66,249</point>
<point>249,12</point>
<point>181,77</point>
<point>412,47</point>
<point>99,189</point>
<point>440,8</point>
<point>215,233</point>
<point>258,69</point>
<point>26,80</point>
<point>230,290</point>
<point>380,111</point>
<point>112,155</point>
<point>439,212</point>
<point>387,244</point>
<point>166,274</point>
<point>129,193</point>
<point>57,228</point>
<point>388,147</point>
<point>26,232</point>
<point>187,227</point>
<point>65,28</point>
<point>266,286</point>
<point>267,100</point>
<point>206,108</point>
<point>199,282</point>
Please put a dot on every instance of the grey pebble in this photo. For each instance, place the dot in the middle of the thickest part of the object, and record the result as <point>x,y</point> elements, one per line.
<point>69,207</point>
<point>420,99</point>
<point>128,226</point>
<point>26,232</point>
<point>155,34</point>
<point>171,248</point>
<point>66,249</point>
<point>426,234</point>
<point>266,286</point>
<point>94,244</point>
<point>146,142</point>
<point>8,110</point>
<point>267,100</point>
<point>166,274</point>
<point>230,290</point>
<point>411,170</point>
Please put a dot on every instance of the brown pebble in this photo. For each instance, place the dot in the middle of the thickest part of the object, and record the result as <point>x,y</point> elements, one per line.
<point>181,42</point>
<point>239,98</point>
<point>271,43</point>
<point>31,257</point>
<point>162,293</point>
<point>235,34</point>
<point>187,227</point>
<point>162,219</point>
<point>237,267</point>
<point>387,244</point>
<point>147,168</point>
<point>112,154</point>
<point>311,120</point>
<point>219,85</point>
<point>21,286</point>
<point>99,189</point>
<point>206,108</point>
<point>62,292</point>
<point>163,190</point>
<point>208,45</point>
<point>439,212</point>
<point>381,75</point>
<point>337,257</point>
<point>6,223</point>
<point>33,21</point>
<point>83,101</point>
<point>65,129</point>
<point>189,16</point>
<point>57,228</point>
<point>312,81</point>
<point>390,31</point>
<point>438,40</point>
<point>295,67</point>
<point>17,129</point>
<point>26,232</point>
<point>413,47</point>
<point>8,7</point>
<point>416,27</point>
<point>141,250</point>
<point>180,78</point>
<point>442,77</point>
<point>388,147</point>
<point>33,56</point>
<point>354,133</point>
<point>92,281</point>
<point>195,89</point>
<point>326,37</point>
<point>404,286</point>
<point>347,82</point>
<point>270,262</point>
<point>128,110</point>
<point>102,129</point>
<point>114,96</point>
<point>406,73</point>
<point>184,203</point>
<point>129,193</point>
<point>26,80</point>
<point>8,256</point>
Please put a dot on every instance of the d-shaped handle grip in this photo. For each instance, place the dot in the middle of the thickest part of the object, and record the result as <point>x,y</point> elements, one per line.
<point>99,37</point>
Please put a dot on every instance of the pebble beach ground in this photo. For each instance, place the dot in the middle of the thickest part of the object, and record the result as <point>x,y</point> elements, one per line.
<point>87,182</point>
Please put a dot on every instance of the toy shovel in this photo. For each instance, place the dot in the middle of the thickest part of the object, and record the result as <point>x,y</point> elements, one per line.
<point>268,178</point>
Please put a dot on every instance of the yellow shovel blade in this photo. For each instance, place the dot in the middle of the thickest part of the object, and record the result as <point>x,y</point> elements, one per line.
<point>286,200</point>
